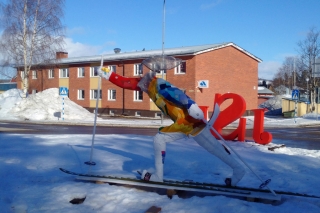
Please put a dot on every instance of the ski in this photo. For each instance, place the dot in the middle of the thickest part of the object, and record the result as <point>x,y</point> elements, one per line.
<point>180,185</point>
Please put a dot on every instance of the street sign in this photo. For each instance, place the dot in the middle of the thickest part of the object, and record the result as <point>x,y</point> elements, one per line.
<point>63,91</point>
<point>295,94</point>
<point>203,84</point>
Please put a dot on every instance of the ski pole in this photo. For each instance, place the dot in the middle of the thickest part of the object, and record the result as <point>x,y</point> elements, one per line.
<point>263,183</point>
<point>90,162</point>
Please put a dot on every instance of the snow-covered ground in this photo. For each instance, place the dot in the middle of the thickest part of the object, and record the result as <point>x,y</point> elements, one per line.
<point>30,180</point>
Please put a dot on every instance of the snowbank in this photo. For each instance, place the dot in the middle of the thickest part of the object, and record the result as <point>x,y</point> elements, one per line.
<point>44,106</point>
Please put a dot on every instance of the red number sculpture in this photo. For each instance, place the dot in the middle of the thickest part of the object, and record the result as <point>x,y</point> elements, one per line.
<point>230,114</point>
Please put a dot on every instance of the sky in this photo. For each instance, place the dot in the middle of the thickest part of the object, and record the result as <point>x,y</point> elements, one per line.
<point>31,162</point>
<point>268,29</point>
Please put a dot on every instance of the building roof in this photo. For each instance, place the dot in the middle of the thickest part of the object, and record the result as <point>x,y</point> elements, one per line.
<point>263,90</point>
<point>179,51</point>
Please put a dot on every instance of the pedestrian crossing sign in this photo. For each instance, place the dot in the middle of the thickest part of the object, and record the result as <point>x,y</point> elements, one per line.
<point>63,91</point>
<point>295,94</point>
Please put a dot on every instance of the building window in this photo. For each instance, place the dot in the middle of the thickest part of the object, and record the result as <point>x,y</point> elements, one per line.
<point>113,68</point>
<point>94,71</point>
<point>137,95</point>
<point>181,69</point>
<point>81,94</point>
<point>112,94</point>
<point>137,113</point>
<point>34,91</point>
<point>80,72</point>
<point>64,73</point>
<point>94,94</point>
<point>34,74</point>
<point>51,73</point>
<point>137,70</point>
<point>157,115</point>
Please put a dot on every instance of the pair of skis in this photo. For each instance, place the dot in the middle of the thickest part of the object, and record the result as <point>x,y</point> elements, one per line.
<point>190,186</point>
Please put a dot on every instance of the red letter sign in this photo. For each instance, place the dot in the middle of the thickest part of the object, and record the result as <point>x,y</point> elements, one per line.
<point>259,136</point>
<point>230,114</point>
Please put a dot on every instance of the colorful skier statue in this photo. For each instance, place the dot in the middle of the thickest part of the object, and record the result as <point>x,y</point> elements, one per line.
<point>187,116</point>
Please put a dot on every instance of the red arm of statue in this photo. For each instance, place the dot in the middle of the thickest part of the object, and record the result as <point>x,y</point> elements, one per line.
<point>124,82</point>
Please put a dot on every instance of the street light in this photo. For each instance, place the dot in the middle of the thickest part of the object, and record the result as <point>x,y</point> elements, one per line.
<point>307,79</point>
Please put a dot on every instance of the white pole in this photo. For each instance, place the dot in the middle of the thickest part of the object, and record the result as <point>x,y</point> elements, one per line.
<point>294,87</point>
<point>63,108</point>
<point>163,33</point>
<point>90,162</point>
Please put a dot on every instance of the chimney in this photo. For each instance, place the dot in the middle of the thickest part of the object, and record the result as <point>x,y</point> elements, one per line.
<point>60,55</point>
<point>117,50</point>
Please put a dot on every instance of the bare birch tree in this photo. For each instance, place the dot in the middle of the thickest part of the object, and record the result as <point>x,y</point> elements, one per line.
<point>32,33</point>
<point>309,50</point>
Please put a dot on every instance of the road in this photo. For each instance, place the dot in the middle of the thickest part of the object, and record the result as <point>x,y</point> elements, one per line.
<point>301,137</point>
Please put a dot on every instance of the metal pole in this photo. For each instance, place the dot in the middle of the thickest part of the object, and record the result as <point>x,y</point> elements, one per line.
<point>318,102</point>
<point>163,33</point>
<point>294,87</point>
<point>90,162</point>
<point>295,111</point>
<point>63,108</point>
<point>307,79</point>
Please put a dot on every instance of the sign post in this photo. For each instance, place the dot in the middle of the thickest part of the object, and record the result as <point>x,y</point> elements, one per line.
<point>318,102</point>
<point>63,92</point>
<point>295,97</point>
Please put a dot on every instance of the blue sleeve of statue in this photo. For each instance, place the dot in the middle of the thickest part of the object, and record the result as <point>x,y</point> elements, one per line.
<point>174,94</point>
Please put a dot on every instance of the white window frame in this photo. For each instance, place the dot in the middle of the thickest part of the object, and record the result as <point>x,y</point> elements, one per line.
<point>81,94</point>
<point>94,71</point>
<point>51,73</point>
<point>112,94</point>
<point>112,68</point>
<point>94,93</point>
<point>22,74</point>
<point>177,70</point>
<point>157,115</point>
<point>162,71</point>
<point>137,69</point>
<point>34,74</point>
<point>81,72</point>
<point>136,95</point>
<point>137,114</point>
<point>64,73</point>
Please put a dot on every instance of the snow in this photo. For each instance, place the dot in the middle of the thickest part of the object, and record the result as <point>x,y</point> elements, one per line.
<point>32,182</point>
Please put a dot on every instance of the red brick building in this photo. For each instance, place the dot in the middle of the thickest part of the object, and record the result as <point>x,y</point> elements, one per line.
<point>226,67</point>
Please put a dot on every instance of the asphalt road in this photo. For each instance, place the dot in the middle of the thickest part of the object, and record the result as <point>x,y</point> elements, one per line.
<point>300,137</point>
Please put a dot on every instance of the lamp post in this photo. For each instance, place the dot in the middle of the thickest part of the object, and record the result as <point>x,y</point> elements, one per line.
<point>307,79</point>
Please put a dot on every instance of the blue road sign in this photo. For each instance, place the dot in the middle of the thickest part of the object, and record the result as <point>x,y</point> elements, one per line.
<point>63,91</point>
<point>295,94</point>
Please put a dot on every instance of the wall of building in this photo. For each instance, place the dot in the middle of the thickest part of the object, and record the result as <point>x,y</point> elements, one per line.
<point>228,71</point>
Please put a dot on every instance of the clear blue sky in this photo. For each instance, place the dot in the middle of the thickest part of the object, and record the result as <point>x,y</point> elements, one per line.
<point>269,29</point>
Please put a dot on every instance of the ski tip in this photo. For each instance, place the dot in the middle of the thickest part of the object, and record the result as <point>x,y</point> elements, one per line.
<point>140,173</point>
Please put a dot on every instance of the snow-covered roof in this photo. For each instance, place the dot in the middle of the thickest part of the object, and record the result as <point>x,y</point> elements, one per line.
<point>179,51</point>
<point>263,90</point>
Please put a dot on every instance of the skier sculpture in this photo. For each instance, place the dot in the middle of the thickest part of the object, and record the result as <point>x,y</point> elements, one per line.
<point>187,116</point>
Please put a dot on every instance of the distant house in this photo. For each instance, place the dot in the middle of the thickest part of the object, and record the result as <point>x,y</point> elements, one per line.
<point>6,85</point>
<point>264,94</point>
